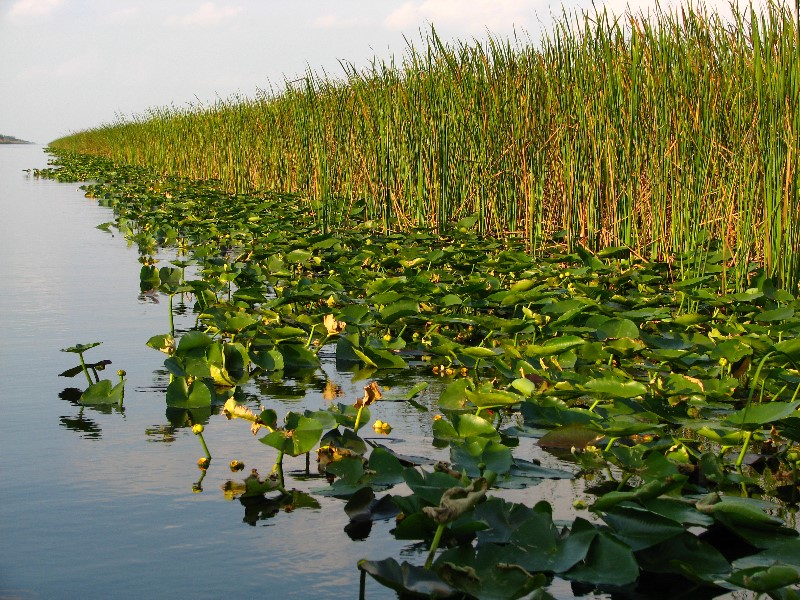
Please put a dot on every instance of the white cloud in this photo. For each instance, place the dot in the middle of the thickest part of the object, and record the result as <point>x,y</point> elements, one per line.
<point>36,8</point>
<point>474,16</point>
<point>330,21</point>
<point>123,14</point>
<point>207,14</point>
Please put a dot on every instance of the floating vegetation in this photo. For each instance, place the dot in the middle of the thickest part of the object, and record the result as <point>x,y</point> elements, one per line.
<point>673,393</point>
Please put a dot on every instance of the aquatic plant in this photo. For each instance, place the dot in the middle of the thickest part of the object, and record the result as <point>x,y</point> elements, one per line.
<point>671,393</point>
<point>99,391</point>
<point>645,131</point>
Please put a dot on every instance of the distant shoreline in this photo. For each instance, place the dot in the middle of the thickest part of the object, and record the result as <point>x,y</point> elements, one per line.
<point>7,139</point>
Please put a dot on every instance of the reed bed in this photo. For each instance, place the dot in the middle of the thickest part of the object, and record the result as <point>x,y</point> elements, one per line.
<point>655,132</point>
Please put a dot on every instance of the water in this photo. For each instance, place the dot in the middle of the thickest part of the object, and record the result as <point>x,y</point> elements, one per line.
<point>101,504</point>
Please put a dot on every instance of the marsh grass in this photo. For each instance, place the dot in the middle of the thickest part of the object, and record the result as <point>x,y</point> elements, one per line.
<point>657,133</point>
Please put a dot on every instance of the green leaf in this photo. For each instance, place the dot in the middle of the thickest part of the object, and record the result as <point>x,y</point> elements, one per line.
<point>164,343</point>
<point>103,392</point>
<point>454,396</point>
<point>639,527</point>
<point>685,554</point>
<point>608,561</point>
<point>777,314</point>
<point>690,319</point>
<point>756,416</point>
<point>450,300</point>
<point>524,386</point>
<point>281,334</point>
<point>407,578</point>
<point>429,486</point>
<point>416,390</point>
<point>476,454</point>
<point>615,388</point>
<point>761,580</point>
<point>494,398</point>
<point>469,425</point>
<point>555,346</point>
<point>570,436</point>
<point>305,436</point>
<point>297,356</point>
<point>364,358</point>
<point>80,348</point>
<point>398,310</point>
<point>790,348</point>
<point>617,328</point>
<point>301,435</point>
<point>298,256</point>
<point>478,352</point>
<point>192,340</point>
<point>652,489</point>
<point>182,395</point>
<point>269,360</point>
<point>740,511</point>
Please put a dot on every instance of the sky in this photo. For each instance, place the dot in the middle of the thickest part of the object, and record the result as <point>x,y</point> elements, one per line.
<point>70,65</point>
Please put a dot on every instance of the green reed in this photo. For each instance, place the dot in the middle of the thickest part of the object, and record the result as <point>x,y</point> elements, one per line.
<point>648,132</point>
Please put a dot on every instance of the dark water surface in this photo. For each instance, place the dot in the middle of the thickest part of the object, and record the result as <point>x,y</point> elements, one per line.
<point>100,504</point>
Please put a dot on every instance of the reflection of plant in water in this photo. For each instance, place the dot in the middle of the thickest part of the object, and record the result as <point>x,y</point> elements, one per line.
<point>82,424</point>
<point>252,494</point>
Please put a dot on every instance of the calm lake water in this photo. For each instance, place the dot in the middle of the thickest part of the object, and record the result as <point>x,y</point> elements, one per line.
<point>101,505</point>
<point>98,504</point>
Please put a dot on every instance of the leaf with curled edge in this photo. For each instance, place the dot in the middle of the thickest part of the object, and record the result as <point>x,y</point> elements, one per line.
<point>371,394</point>
<point>234,410</point>
<point>457,501</point>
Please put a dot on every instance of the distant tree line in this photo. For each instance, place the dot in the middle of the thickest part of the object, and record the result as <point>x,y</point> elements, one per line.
<point>10,139</point>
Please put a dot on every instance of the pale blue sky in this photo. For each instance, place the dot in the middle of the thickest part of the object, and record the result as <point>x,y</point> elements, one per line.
<point>67,65</point>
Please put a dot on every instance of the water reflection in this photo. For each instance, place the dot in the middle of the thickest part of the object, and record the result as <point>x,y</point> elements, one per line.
<point>260,505</point>
<point>80,423</point>
<point>164,434</point>
<point>88,428</point>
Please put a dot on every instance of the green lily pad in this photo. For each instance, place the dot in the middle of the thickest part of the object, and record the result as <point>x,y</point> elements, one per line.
<point>617,328</point>
<point>103,392</point>
<point>406,578</point>
<point>80,348</point>
<point>756,416</point>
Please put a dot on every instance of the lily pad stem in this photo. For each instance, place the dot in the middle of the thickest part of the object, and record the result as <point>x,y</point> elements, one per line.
<point>437,537</point>
<point>362,585</point>
<point>85,370</point>
<point>121,375</point>
<point>357,424</point>
<point>745,445</point>
<point>278,468</point>
<point>311,336</point>
<point>203,444</point>
<point>171,317</point>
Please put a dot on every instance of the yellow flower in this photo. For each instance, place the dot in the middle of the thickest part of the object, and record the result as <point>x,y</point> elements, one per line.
<point>381,427</point>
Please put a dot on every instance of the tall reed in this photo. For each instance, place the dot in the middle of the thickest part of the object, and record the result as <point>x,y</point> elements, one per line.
<point>647,132</point>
